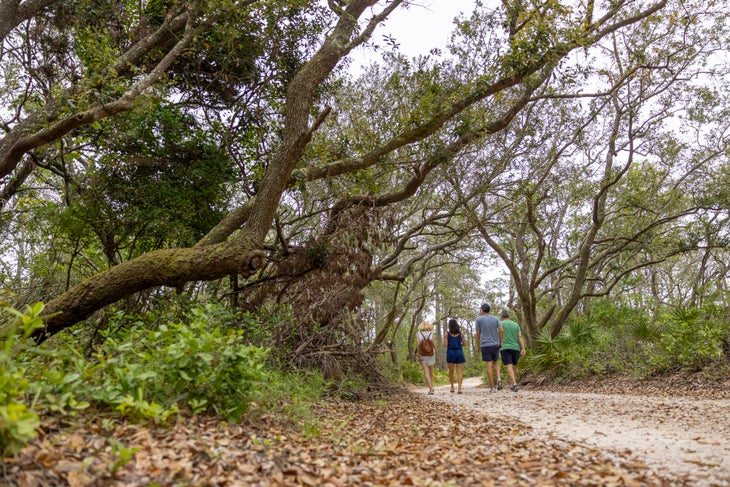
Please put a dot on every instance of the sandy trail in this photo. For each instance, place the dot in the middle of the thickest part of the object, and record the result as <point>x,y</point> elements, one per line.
<point>677,435</point>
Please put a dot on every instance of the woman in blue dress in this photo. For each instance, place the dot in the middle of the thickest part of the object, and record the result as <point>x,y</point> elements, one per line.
<point>454,342</point>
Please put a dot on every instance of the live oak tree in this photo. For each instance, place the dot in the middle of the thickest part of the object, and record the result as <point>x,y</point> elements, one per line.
<point>593,195</point>
<point>288,137</point>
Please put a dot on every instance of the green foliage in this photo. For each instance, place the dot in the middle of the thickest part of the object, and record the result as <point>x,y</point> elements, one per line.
<point>620,339</point>
<point>147,371</point>
<point>567,354</point>
<point>136,407</point>
<point>18,425</point>
<point>18,422</point>
<point>548,353</point>
<point>196,365</point>
<point>579,333</point>
<point>411,372</point>
<point>692,337</point>
<point>265,326</point>
<point>170,196</point>
<point>125,455</point>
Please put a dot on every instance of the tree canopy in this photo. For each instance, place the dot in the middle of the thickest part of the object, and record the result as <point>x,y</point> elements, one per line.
<point>152,147</point>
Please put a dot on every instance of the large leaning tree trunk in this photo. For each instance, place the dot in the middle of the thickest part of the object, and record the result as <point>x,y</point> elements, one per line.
<point>242,253</point>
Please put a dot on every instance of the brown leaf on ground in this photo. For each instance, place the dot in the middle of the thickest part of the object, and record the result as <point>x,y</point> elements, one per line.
<point>404,440</point>
<point>671,432</point>
<point>680,384</point>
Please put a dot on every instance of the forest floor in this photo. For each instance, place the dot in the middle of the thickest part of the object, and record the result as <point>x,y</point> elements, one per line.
<point>610,436</point>
<point>677,430</point>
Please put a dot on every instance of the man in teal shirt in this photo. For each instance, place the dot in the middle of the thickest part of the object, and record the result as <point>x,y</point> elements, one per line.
<point>513,347</point>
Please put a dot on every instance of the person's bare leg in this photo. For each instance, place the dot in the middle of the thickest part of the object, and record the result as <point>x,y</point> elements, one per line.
<point>511,373</point>
<point>459,376</point>
<point>497,373</point>
<point>430,376</point>
<point>426,376</point>
<point>490,377</point>
<point>451,377</point>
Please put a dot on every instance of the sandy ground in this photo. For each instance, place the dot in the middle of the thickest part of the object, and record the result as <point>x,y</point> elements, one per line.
<point>673,435</point>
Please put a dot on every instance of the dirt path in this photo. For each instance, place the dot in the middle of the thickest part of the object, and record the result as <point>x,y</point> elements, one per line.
<point>675,435</point>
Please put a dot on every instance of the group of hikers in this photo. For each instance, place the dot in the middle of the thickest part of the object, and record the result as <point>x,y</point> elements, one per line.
<point>497,339</point>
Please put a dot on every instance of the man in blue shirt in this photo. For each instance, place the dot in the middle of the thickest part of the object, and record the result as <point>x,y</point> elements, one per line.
<point>489,335</point>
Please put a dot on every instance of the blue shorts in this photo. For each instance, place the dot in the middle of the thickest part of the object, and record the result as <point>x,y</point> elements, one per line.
<point>455,356</point>
<point>510,357</point>
<point>490,353</point>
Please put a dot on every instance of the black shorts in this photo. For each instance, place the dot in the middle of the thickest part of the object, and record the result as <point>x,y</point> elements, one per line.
<point>490,353</point>
<point>510,357</point>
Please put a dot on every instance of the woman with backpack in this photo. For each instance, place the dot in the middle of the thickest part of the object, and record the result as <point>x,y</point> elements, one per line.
<point>427,352</point>
<point>454,343</point>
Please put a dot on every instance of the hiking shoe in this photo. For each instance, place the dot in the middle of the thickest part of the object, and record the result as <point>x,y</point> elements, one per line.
<point>499,384</point>
<point>492,390</point>
<point>514,388</point>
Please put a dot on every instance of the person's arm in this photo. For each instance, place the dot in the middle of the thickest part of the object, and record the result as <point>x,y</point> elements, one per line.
<point>501,335</point>
<point>446,339</point>
<point>463,340</point>
<point>479,337</point>
<point>522,343</point>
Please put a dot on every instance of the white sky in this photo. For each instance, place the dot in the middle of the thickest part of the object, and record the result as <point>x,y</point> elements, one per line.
<point>418,29</point>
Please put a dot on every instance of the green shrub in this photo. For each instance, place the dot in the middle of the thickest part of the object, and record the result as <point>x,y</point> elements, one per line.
<point>692,337</point>
<point>18,422</point>
<point>151,371</point>
<point>145,370</point>
<point>547,354</point>
<point>412,372</point>
<point>569,354</point>
<point>618,339</point>
<point>197,366</point>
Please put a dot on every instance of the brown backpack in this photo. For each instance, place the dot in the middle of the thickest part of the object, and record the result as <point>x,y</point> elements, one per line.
<point>425,347</point>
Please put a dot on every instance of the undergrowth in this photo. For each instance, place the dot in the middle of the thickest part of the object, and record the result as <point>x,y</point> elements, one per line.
<point>613,339</point>
<point>198,362</point>
<point>191,359</point>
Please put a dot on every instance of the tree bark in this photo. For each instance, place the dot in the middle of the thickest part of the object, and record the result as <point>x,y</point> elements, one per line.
<point>165,267</point>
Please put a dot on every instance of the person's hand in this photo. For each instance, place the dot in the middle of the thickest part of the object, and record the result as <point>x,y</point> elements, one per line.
<point>523,351</point>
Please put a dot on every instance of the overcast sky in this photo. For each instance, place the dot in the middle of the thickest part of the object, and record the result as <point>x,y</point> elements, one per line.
<point>417,29</point>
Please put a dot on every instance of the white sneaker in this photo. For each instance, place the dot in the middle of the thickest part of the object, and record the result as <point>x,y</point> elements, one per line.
<point>492,390</point>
